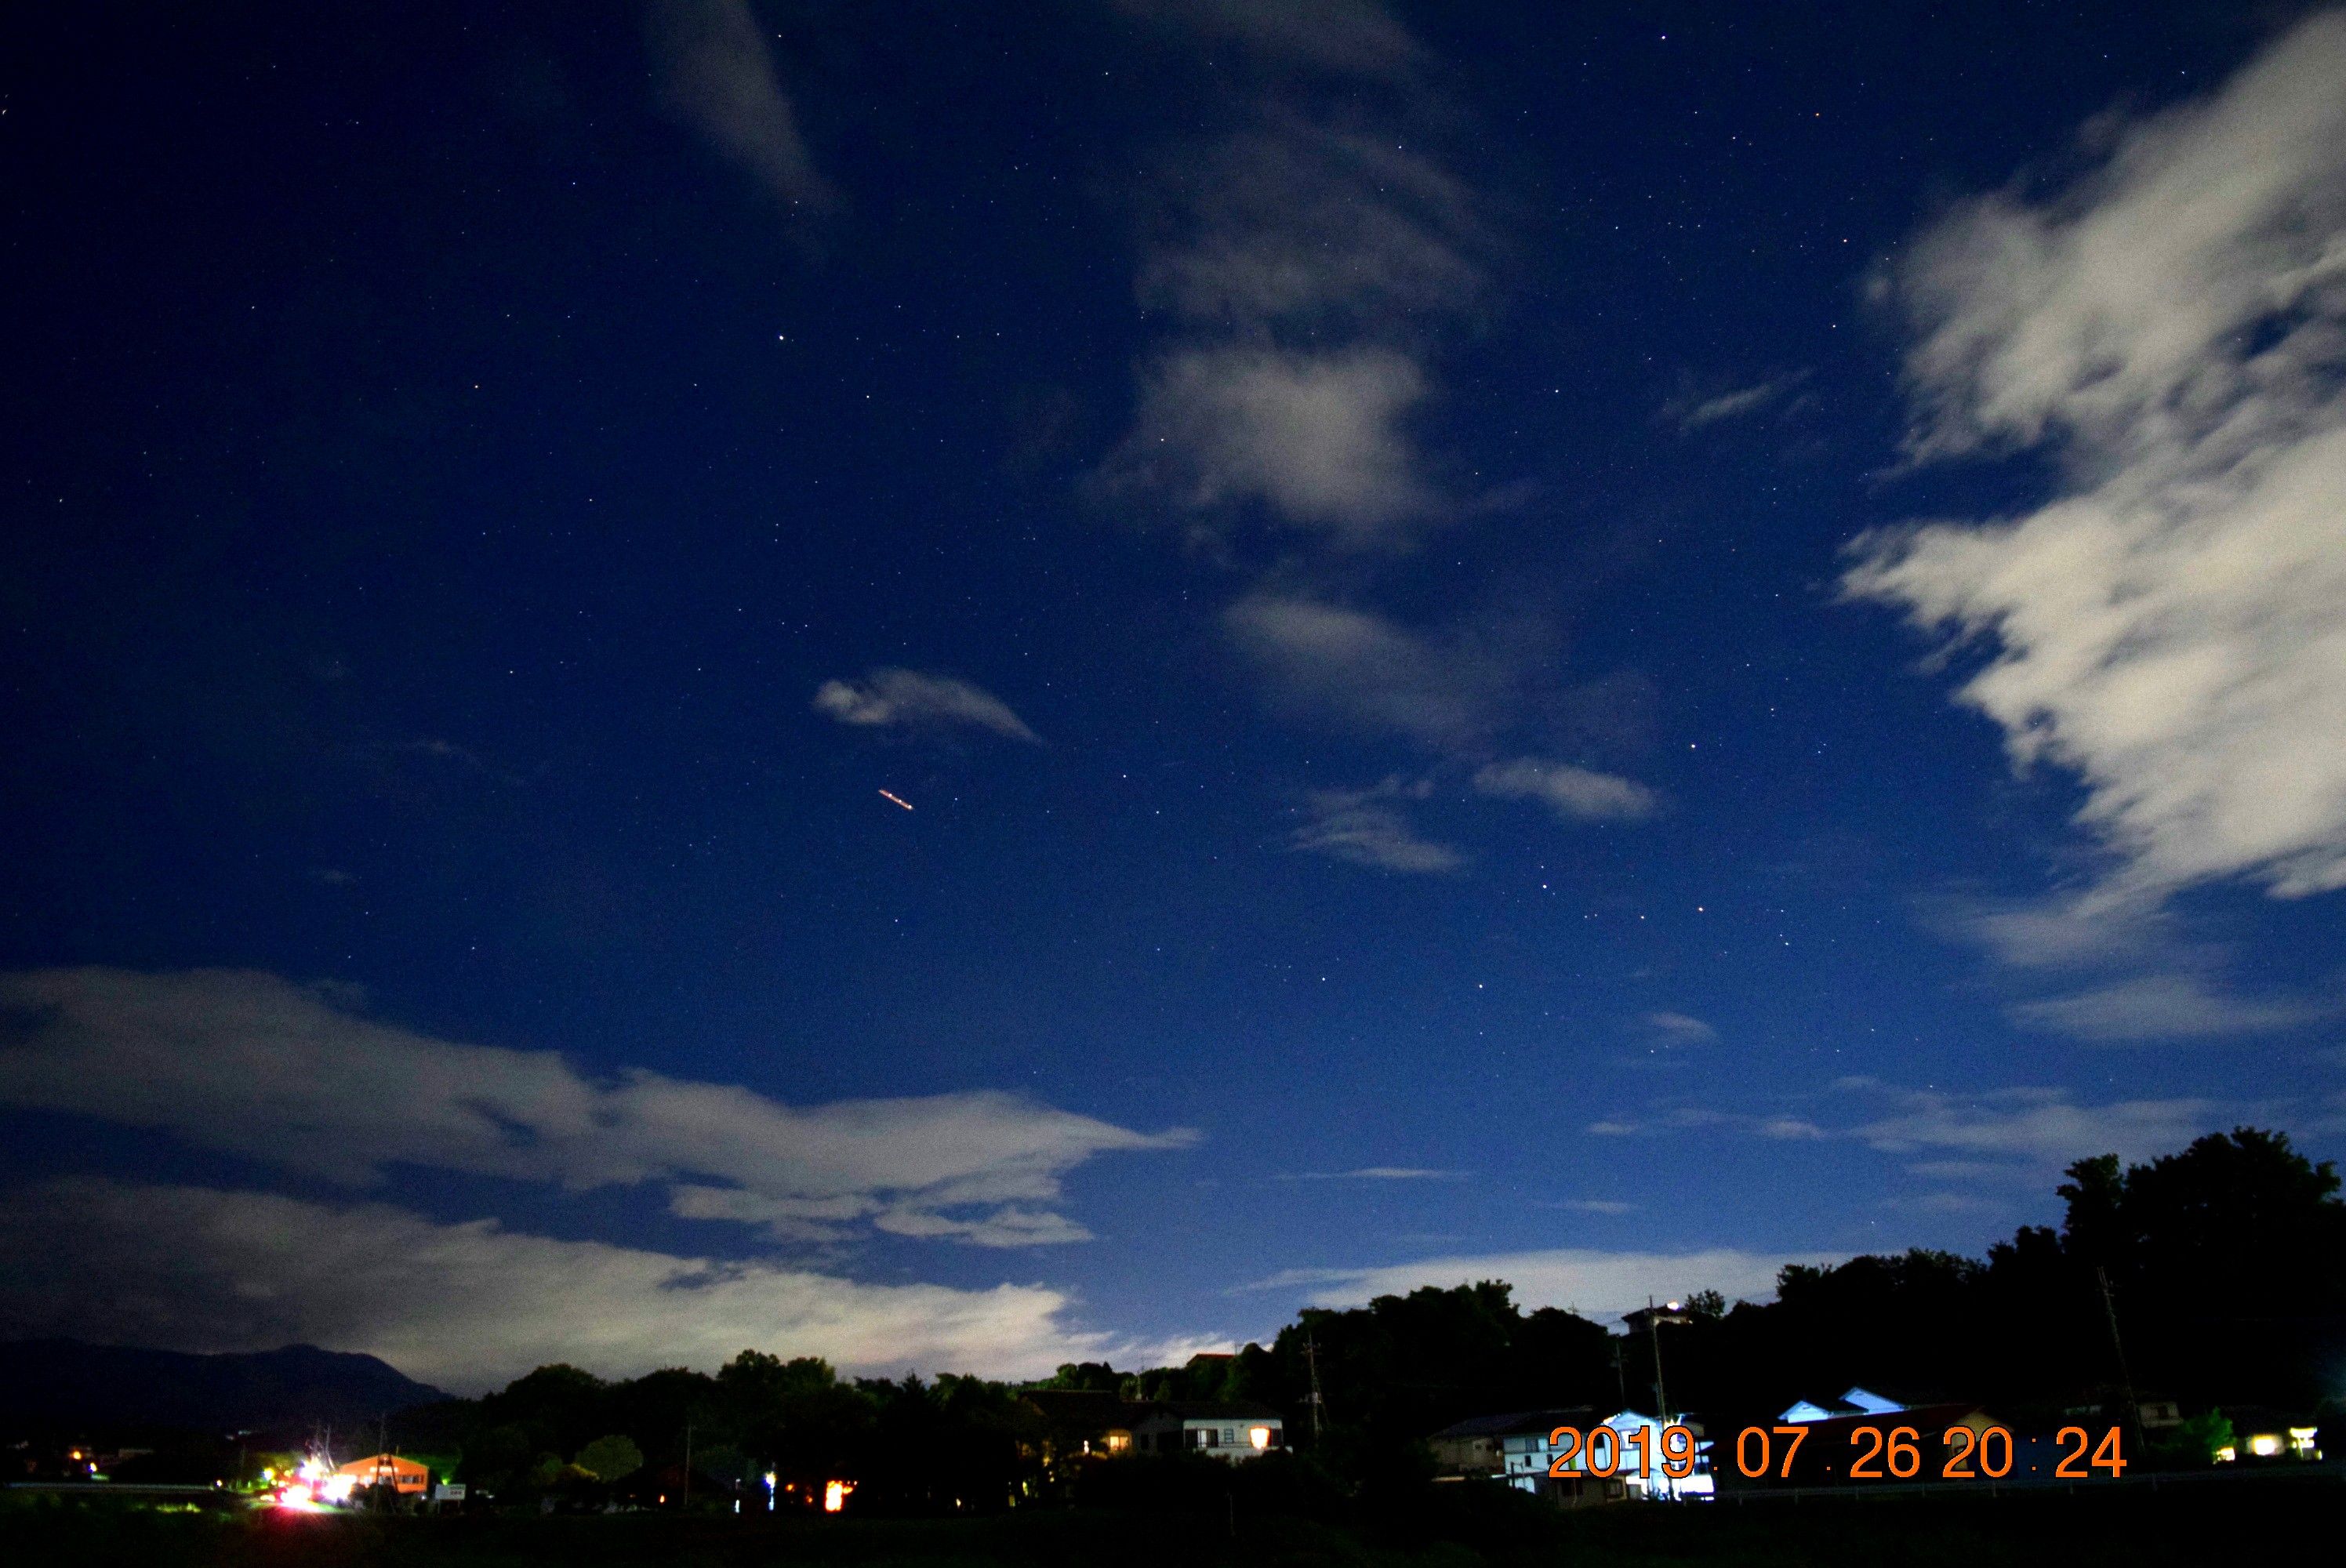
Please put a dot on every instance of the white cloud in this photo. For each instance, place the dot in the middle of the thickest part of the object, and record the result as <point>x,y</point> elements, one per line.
<point>253,1066</point>
<point>2067,930</point>
<point>469,1306</point>
<point>1370,673</point>
<point>1378,1173</point>
<point>2163,1007</point>
<point>1693,412</point>
<point>1681,1029</point>
<point>1592,1206</point>
<point>1575,794</point>
<point>1305,265</point>
<point>2014,1130</point>
<point>2043,1127</point>
<point>1297,225</point>
<point>2172,626</point>
<point>713,70</point>
<point>1595,1284</point>
<point>1788,1128</point>
<point>909,700</point>
<point>1368,828</point>
<point>1319,436</point>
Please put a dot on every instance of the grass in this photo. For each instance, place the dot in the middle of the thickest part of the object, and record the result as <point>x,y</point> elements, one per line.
<point>2123,1527</point>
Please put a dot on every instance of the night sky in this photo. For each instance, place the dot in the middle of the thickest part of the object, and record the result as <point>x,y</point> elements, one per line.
<point>1601,645</point>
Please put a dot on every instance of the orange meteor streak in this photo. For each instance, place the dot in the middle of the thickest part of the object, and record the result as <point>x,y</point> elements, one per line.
<point>898,799</point>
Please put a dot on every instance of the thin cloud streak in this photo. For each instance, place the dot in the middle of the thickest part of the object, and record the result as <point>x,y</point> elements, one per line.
<point>890,699</point>
<point>1574,794</point>
<point>1369,828</point>
<point>2155,1007</point>
<point>714,70</point>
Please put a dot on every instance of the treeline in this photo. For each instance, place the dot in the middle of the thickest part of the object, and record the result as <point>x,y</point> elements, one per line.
<point>2213,1276</point>
<point>912,1446</point>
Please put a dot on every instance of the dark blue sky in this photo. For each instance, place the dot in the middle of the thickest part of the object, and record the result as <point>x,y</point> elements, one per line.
<point>1378,544</point>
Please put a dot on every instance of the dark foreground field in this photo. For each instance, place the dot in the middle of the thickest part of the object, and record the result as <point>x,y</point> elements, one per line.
<point>2128,1526</point>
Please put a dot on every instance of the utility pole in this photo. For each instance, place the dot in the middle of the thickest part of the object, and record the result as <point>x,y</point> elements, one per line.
<point>1654,1326</point>
<point>1312,1359</point>
<point>688,1466</point>
<point>2125,1378</point>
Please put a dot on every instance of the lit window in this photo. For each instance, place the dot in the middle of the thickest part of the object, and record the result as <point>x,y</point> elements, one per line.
<point>2264,1445</point>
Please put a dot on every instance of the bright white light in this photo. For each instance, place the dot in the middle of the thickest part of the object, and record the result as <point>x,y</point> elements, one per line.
<point>1260,1437</point>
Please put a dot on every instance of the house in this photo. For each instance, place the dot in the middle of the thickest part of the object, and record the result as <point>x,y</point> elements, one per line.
<point>1855,1402</point>
<point>1076,1422</point>
<point>1520,1449</point>
<point>1223,1429</point>
<point>1071,1427</point>
<point>407,1476</point>
<point>1481,1445</point>
<point>2260,1433</point>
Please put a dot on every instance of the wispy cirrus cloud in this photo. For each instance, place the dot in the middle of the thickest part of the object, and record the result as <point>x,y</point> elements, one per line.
<point>251,1064</point>
<point>2176,1006</point>
<point>2016,1131</point>
<point>2171,625</point>
<point>1365,671</point>
<point>1692,412</point>
<point>1301,260</point>
<point>1371,828</point>
<point>2038,1129</point>
<point>909,700</point>
<point>713,70</point>
<point>1308,265</point>
<point>470,1306</point>
<point>1377,1173</point>
<point>1680,1028</point>
<point>2133,975</point>
<point>1575,794</point>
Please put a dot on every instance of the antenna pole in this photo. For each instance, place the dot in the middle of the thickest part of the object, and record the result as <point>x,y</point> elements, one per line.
<point>1312,1358</point>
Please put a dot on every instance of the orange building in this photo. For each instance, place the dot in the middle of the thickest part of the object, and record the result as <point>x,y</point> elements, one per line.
<point>411,1478</point>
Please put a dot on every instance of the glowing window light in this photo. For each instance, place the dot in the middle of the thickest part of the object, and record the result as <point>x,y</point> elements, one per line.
<point>1260,1437</point>
<point>2264,1445</point>
<point>834,1495</point>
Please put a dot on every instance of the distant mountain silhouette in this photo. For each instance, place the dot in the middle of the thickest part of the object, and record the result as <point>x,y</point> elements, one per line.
<point>51,1383</point>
